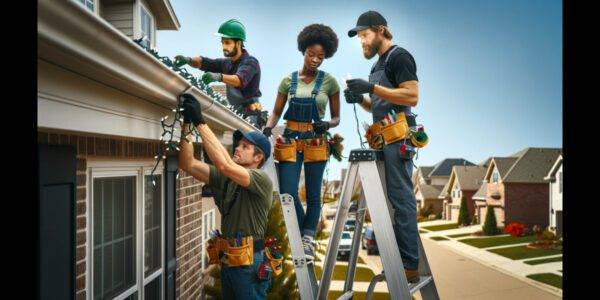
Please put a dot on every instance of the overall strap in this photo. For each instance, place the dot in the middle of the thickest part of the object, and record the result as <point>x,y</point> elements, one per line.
<point>294,83</point>
<point>389,54</point>
<point>318,83</point>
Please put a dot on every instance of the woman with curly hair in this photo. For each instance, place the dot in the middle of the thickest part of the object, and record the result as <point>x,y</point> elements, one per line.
<point>304,141</point>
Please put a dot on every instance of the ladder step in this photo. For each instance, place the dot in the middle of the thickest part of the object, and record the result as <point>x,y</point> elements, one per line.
<point>346,295</point>
<point>414,287</point>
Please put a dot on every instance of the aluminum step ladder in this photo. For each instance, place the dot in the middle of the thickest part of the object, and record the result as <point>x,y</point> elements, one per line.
<point>305,272</point>
<point>367,166</point>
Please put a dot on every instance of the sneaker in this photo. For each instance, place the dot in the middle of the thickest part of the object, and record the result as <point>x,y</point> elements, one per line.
<point>309,248</point>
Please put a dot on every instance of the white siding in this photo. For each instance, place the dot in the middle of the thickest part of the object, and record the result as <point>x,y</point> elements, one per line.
<point>120,15</point>
<point>556,197</point>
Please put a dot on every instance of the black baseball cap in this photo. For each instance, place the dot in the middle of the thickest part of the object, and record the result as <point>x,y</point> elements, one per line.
<point>366,20</point>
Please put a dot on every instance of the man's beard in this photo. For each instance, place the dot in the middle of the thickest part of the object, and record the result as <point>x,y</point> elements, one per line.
<point>374,49</point>
<point>230,54</point>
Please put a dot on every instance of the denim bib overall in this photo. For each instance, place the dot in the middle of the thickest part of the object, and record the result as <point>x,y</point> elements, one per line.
<point>303,110</point>
<point>398,172</point>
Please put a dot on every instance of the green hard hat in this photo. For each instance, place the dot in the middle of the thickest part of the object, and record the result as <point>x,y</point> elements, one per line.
<point>232,29</point>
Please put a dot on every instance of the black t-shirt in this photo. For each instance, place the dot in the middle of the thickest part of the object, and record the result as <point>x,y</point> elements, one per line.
<point>401,66</point>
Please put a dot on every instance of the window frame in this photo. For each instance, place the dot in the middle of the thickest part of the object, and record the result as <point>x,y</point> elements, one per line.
<point>139,169</point>
<point>137,18</point>
<point>95,11</point>
<point>206,231</point>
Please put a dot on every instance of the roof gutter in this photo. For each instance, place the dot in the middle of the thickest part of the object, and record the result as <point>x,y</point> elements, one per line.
<point>74,38</point>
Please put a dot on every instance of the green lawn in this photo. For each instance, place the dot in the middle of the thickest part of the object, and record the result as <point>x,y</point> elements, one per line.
<point>360,295</point>
<point>498,241</point>
<point>339,273</point>
<point>441,227</point>
<point>439,238</point>
<point>548,278</point>
<point>521,252</point>
<point>423,231</point>
<point>543,260</point>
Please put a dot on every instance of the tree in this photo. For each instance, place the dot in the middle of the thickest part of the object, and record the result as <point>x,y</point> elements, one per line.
<point>463,214</point>
<point>490,227</point>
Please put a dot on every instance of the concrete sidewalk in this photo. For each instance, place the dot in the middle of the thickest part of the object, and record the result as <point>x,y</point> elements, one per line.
<point>460,277</point>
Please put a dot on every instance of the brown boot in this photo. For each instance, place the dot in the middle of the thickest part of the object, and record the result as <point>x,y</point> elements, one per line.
<point>412,275</point>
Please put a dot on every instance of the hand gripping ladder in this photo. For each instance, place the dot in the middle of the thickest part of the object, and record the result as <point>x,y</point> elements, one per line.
<point>368,166</point>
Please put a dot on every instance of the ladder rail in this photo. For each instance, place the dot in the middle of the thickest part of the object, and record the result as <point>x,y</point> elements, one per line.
<point>336,233</point>
<point>356,241</point>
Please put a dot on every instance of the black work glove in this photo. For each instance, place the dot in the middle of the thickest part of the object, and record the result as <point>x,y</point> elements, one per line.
<point>352,97</point>
<point>192,112</point>
<point>320,127</point>
<point>360,86</point>
<point>267,131</point>
<point>181,60</point>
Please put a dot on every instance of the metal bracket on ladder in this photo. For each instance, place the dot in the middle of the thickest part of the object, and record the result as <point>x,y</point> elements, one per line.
<point>364,167</point>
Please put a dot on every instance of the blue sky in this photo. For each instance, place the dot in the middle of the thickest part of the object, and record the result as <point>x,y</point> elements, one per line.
<point>490,72</point>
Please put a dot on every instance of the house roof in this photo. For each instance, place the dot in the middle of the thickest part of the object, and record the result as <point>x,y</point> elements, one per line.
<point>165,15</point>
<point>533,165</point>
<point>424,171</point>
<point>444,167</point>
<point>469,177</point>
<point>503,164</point>
<point>430,191</point>
<point>481,193</point>
<point>486,162</point>
<point>551,175</point>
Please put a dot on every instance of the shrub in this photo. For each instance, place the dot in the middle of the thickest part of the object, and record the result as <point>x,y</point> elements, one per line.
<point>490,226</point>
<point>463,214</point>
<point>426,212</point>
<point>515,229</point>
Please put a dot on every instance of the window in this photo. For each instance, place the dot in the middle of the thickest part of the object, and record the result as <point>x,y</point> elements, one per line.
<point>89,4</point>
<point>127,232</point>
<point>495,176</point>
<point>560,182</point>
<point>208,225</point>
<point>114,235</point>
<point>146,27</point>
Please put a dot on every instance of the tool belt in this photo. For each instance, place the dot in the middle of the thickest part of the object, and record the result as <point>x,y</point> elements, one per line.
<point>298,126</point>
<point>312,153</point>
<point>220,250</point>
<point>379,135</point>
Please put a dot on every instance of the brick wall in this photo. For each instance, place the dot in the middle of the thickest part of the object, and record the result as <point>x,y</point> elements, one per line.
<point>189,205</point>
<point>527,203</point>
<point>188,243</point>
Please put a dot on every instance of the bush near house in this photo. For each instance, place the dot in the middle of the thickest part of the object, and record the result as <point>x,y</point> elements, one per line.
<point>490,227</point>
<point>515,229</point>
<point>425,212</point>
<point>545,239</point>
<point>463,214</point>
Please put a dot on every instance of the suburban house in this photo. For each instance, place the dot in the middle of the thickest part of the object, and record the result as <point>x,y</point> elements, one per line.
<point>463,183</point>
<point>428,182</point>
<point>108,228</point>
<point>555,177</point>
<point>515,187</point>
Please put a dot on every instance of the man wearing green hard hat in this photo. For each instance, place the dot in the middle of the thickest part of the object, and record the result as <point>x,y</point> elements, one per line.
<point>238,70</point>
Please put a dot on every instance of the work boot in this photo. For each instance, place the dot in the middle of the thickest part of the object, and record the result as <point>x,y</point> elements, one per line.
<point>412,275</point>
<point>309,248</point>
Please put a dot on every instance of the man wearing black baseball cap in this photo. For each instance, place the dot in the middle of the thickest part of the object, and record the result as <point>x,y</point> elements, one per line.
<point>243,194</point>
<point>392,87</point>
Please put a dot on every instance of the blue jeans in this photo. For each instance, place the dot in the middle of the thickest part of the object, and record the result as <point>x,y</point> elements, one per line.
<point>400,193</point>
<point>243,282</point>
<point>289,175</point>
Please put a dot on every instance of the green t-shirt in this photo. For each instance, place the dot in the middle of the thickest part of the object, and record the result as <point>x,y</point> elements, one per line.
<point>250,211</point>
<point>328,88</point>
